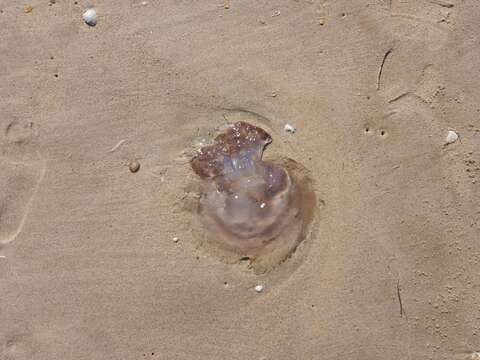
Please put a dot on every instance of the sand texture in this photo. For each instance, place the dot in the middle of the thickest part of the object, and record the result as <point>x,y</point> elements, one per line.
<point>102,259</point>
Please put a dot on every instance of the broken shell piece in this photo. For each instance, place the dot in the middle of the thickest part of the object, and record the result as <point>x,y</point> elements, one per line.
<point>259,288</point>
<point>134,166</point>
<point>90,17</point>
<point>290,129</point>
<point>452,136</point>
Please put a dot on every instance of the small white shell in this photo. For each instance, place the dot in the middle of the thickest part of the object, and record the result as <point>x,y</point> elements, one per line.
<point>290,129</point>
<point>452,136</point>
<point>259,288</point>
<point>90,17</point>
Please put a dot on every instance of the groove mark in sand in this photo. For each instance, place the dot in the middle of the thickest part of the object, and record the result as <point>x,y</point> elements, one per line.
<point>379,77</point>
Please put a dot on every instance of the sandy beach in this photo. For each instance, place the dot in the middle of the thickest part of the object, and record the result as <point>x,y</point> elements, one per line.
<point>101,255</point>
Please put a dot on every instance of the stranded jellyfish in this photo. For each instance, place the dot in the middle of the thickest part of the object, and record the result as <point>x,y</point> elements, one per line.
<point>250,208</point>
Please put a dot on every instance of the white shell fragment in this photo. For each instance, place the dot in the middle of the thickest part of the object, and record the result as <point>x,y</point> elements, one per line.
<point>175,239</point>
<point>90,17</point>
<point>259,288</point>
<point>290,129</point>
<point>452,136</point>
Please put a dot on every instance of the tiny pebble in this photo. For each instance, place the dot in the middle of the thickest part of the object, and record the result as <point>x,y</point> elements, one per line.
<point>144,3</point>
<point>134,166</point>
<point>175,239</point>
<point>452,136</point>
<point>90,17</point>
<point>321,22</point>
<point>28,9</point>
<point>259,288</point>
<point>262,205</point>
<point>290,129</point>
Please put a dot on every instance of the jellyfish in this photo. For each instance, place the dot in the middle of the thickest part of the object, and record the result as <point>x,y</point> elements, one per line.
<point>250,208</point>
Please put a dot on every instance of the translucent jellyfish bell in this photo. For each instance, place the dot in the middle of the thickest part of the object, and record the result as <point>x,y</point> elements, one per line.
<point>249,207</point>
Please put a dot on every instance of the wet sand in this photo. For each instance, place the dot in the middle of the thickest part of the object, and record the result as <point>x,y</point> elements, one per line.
<point>101,262</point>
